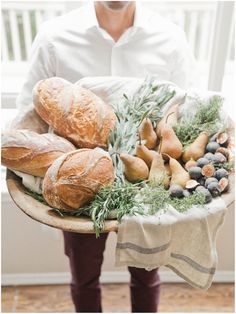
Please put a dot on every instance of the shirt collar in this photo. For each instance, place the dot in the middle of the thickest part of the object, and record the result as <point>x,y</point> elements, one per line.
<point>88,14</point>
<point>141,16</point>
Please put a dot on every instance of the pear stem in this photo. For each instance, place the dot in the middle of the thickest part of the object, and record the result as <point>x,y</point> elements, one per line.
<point>166,155</point>
<point>142,121</point>
<point>159,148</point>
<point>169,115</point>
<point>139,138</point>
<point>115,153</point>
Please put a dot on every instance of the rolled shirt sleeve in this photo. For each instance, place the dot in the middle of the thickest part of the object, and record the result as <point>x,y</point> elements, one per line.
<point>41,66</point>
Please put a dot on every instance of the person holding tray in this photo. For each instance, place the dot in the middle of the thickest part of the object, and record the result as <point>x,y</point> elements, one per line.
<point>108,38</point>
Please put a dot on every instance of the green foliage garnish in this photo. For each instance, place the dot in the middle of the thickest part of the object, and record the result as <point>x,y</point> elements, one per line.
<point>226,165</point>
<point>122,197</point>
<point>206,119</point>
<point>148,100</point>
<point>183,204</point>
<point>155,196</point>
<point>119,197</point>
<point>158,198</point>
<point>37,196</point>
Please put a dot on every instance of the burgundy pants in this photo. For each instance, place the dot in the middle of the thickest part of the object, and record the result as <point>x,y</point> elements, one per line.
<point>85,254</point>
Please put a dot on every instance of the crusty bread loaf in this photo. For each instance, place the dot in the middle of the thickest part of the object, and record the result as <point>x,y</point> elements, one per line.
<point>28,119</point>
<point>32,153</point>
<point>74,178</point>
<point>74,112</point>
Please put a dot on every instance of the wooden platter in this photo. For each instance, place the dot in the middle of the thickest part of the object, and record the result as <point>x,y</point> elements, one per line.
<point>45,215</point>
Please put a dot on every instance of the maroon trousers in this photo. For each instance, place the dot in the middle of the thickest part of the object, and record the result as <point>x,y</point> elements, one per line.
<point>85,254</point>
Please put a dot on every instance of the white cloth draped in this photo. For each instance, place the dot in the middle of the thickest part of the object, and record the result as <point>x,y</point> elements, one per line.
<point>183,242</point>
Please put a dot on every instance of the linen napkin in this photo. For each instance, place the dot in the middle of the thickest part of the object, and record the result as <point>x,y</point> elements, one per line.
<point>183,242</point>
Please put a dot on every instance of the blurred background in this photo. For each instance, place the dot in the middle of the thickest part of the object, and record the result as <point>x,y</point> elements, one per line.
<point>33,254</point>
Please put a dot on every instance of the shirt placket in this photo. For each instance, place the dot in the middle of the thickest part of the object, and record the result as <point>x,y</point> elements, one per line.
<point>115,61</point>
<point>116,65</point>
<point>116,53</point>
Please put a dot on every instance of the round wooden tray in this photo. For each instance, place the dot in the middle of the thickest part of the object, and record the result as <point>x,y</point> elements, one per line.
<point>45,215</point>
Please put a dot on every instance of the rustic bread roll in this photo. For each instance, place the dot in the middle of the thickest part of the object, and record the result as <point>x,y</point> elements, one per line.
<point>32,153</point>
<point>74,112</point>
<point>28,119</point>
<point>74,178</point>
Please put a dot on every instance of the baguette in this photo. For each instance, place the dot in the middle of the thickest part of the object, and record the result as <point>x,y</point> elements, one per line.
<point>32,153</point>
<point>74,178</point>
<point>74,112</point>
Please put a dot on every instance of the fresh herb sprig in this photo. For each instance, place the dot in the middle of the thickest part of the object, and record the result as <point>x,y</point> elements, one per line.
<point>206,119</point>
<point>185,203</point>
<point>157,198</point>
<point>119,197</point>
<point>148,100</point>
<point>37,196</point>
<point>226,165</point>
<point>122,197</point>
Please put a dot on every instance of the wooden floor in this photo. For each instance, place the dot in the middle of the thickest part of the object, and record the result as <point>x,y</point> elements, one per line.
<point>176,297</point>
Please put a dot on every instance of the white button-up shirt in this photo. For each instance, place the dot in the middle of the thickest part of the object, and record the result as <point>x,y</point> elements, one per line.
<point>73,46</point>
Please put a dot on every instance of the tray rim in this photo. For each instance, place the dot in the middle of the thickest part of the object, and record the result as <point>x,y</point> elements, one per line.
<point>45,215</point>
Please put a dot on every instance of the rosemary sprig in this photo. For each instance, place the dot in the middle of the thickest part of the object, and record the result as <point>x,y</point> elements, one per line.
<point>75,213</point>
<point>120,197</point>
<point>183,204</point>
<point>37,196</point>
<point>206,119</point>
<point>157,198</point>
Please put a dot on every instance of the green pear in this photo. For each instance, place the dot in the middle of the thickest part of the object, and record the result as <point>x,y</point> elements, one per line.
<point>158,173</point>
<point>145,154</point>
<point>197,149</point>
<point>146,132</point>
<point>178,174</point>
<point>135,169</point>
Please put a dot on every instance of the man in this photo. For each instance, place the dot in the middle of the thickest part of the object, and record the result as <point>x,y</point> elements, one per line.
<point>113,38</point>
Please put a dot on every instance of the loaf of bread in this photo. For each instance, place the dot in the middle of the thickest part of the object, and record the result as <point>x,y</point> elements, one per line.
<point>74,112</point>
<point>74,178</point>
<point>32,153</point>
<point>28,119</point>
